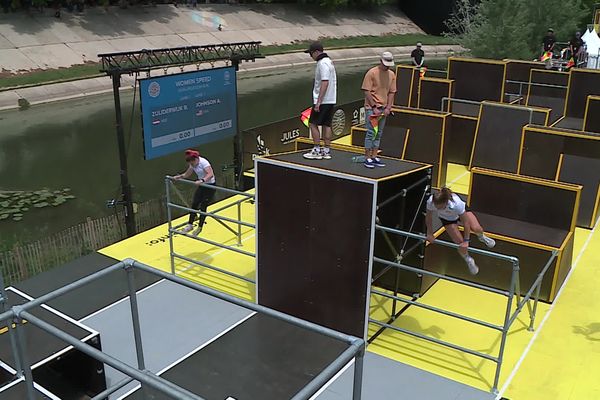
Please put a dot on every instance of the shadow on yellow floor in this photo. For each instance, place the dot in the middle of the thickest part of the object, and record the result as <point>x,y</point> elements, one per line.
<point>441,360</point>
<point>152,247</point>
<point>564,360</point>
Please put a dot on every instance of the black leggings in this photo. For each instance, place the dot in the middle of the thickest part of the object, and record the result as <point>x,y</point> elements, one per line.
<point>202,197</point>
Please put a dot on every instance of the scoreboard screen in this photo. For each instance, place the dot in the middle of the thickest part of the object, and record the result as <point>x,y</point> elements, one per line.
<point>187,110</point>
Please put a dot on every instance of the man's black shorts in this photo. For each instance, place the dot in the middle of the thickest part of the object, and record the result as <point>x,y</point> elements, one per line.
<point>323,117</point>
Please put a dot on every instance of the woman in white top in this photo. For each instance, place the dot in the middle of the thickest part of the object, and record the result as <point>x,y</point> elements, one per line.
<point>451,210</point>
<point>204,194</point>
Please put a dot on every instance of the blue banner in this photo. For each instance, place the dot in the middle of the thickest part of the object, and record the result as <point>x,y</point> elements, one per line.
<point>187,110</point>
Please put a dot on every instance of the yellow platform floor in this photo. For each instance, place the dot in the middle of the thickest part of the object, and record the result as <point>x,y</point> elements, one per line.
<point>560,360</point>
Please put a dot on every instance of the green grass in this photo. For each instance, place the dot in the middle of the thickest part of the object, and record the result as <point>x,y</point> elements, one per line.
<point>409,39</point>
<point>90,70</point>
<point>51,75</point>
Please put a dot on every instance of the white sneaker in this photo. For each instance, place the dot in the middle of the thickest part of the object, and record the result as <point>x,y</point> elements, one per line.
<point>187,228</point>
<point>473,268</point>
<point>488,241</point>
<point>314,154</point>
<point>198,230</point>
<point>326,154</point>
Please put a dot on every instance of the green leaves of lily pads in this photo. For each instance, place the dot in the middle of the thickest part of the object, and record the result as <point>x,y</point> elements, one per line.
<point>14,204</point>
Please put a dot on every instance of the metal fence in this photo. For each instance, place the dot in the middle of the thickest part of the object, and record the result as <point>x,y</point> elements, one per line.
<point>509,316</point>
<point>23,261</point>
<point>19,314</point>
<point>171,188</point>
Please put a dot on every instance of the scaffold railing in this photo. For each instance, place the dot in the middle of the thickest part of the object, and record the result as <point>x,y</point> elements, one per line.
<point>514,290</point>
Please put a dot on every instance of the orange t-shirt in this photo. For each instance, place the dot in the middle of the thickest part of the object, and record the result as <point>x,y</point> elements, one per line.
<point>379,83</point>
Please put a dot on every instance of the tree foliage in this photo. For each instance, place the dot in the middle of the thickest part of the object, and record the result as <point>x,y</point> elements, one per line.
<point>513,28</point>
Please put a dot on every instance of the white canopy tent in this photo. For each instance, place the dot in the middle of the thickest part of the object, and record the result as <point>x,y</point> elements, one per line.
<point>592,42</point>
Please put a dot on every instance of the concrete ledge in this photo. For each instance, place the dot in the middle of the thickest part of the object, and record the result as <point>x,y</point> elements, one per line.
<point>86,87</point>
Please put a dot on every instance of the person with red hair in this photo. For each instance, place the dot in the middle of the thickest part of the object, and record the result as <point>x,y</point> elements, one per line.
<point>204,193</point>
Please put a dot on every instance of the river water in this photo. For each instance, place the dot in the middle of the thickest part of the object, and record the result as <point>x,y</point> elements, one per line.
<point>72,144</point>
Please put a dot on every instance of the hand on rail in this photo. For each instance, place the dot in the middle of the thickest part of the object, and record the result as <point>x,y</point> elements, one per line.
<point>430,238</point>
<point>177,177</point>
<point>464,245</point>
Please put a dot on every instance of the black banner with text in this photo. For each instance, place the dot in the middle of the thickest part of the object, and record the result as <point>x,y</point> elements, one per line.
<point>278,137</point>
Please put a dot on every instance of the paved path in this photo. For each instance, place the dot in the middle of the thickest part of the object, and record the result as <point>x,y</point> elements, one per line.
<point>81,88</point>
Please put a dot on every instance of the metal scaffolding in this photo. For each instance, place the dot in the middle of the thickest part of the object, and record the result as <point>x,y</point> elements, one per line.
<point>130,62</point>
<point>148,59</point>
<point>19,314</point>
<point>509,316</point>
<point>170,188</point>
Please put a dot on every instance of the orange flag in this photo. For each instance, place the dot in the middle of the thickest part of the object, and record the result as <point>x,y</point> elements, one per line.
<point>546,56</point>
<point>374,119</point>
<point>571,63</point>
<point>305,116</point>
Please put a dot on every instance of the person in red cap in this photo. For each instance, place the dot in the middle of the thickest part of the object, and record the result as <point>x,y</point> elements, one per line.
<point>204,193</point>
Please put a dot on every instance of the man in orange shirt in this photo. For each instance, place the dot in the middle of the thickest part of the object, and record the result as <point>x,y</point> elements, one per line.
<point>379,86</point>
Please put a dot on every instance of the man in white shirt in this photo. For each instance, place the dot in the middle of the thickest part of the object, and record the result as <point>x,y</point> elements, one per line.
<point>324,99</point>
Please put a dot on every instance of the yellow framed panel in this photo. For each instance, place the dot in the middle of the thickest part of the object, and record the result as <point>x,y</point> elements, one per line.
<point>512,60</point>
<point>549,131</point>
<point>521,242</point>
<point>560,161</point>
<point>557,121</point>
<point>535,108</point>
<point>521,150</point>
<point>464,117</point>
<point>441,160</point>
<point>405,143</point>
<point>441,114</point>
<point>589,99</point>
<point>537,181</point>
<point>568,92</point>
<point>597,202</point>
<point>558,262</point>
<point>474,60</point>
<point>427,113</point>
<point>571,73</point>
<point>480,61</point>
<point>424,166</point>
<point>354,129</point>
<point>433,79</point>
<point>450,83</point>
<point>475,137</point>
<point>596,205</point>
<point>560,132</point>
<point>412,79</point>
<point>542,109</point>
<point>469,189</point>
<point>527,179</point>
<point>540,71</point>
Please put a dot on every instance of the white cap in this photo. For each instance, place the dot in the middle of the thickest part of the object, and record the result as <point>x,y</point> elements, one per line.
<point>387,59</point>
